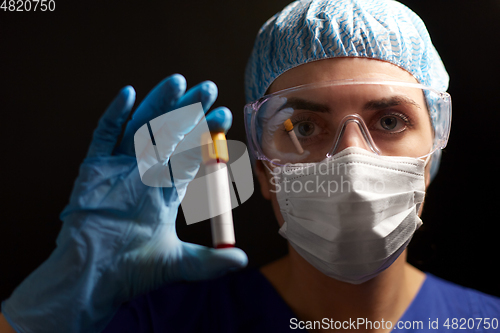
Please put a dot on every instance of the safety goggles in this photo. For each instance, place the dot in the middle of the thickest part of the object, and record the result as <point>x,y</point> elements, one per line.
<point>308,123</point>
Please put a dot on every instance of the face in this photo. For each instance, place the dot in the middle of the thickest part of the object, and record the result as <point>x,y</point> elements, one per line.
<point>316,129</point>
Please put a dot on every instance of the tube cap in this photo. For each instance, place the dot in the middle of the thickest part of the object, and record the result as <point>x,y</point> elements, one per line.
<point>214,148</point>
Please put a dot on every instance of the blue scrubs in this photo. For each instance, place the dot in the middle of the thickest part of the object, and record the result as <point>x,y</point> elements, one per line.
<point>246,302</point>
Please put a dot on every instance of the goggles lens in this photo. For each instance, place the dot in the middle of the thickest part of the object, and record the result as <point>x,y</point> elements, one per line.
<point>309,123</point>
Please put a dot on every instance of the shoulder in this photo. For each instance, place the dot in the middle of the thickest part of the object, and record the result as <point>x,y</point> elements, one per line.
<point>458,300</point>
<point>442,305</point>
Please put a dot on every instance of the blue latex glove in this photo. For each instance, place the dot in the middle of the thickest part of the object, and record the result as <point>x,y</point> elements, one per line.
<point>118,238</point>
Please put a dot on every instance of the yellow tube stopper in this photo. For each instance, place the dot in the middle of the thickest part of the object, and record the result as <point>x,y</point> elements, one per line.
<point>289,128</point>
<point>214,148</point>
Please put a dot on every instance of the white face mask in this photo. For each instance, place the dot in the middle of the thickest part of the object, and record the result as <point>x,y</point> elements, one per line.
<point>353,214</point>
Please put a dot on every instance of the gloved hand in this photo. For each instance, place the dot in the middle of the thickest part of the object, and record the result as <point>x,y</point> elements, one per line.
<point>118,238</point>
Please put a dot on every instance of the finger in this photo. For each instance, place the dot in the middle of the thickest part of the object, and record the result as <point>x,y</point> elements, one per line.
<point>187,157</point>
<point>172,131</point>
<point>110,125</point>
<point>205,92</point>
<point>200,262</point>
<point>160,100</point>
<point>169,130</point>
<point>220,120</point>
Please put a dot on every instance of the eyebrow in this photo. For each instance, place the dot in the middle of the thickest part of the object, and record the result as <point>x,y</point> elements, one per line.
<point>303,104</point>
<point>389,102</point>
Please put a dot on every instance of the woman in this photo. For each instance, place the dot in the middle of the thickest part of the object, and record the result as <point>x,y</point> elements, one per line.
<point>370,100</point>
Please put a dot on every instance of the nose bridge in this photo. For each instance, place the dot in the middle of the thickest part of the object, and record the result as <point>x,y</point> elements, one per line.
<point>352,132</point>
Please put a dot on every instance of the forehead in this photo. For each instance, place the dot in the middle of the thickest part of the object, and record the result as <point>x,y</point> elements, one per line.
<point>339,69</point>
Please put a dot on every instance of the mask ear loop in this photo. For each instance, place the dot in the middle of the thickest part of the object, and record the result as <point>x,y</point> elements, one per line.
<point>281,168</point>
<point>277,170</point>
<point>427,159</point>
<point>264,162</point>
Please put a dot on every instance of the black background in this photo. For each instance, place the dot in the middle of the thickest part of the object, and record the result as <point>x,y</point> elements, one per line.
<point>59,71</point>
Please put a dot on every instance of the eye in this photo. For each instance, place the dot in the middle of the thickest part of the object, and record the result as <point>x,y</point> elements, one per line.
<point>393,123</point>
<point>305,128</point>
<point>389,122</point>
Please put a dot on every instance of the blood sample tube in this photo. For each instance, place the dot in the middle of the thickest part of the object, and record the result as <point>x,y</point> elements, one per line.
<point>215,156</point>
<point>289,128</point>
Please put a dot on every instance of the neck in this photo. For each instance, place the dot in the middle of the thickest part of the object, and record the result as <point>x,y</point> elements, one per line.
<point>314,296</point>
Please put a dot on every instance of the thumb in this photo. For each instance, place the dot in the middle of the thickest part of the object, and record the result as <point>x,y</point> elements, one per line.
<point>200,262</point>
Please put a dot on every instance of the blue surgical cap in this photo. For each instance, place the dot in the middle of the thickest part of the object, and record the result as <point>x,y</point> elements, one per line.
<point>310,30</point>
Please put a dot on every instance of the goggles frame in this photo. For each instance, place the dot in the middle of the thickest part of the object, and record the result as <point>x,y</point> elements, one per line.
<point>440,122</point>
